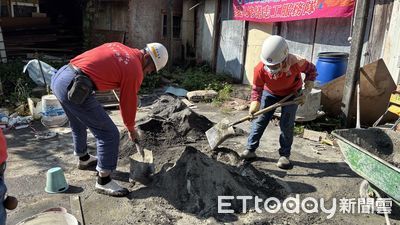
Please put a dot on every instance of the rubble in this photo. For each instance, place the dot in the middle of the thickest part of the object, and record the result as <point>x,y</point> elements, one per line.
<point>201,95</point>
<point>193,180</point>
<point>383,143</point>
<point>171,123</point>
<point>196,180</point>
<point>314,135</point>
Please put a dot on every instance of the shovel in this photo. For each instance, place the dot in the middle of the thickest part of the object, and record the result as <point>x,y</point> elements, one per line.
<point>224,129</point>
<point>141,165</point>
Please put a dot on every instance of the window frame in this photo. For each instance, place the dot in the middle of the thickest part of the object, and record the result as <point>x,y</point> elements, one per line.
<point>17,3</point>
<point>175,14</point>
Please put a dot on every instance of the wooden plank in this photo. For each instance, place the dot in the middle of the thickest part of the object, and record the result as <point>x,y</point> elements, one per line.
<point>231,48</point>
<point>391,52</point>
<point>314,135</point>
<point>257,33</point>
<point>38,49</point>
<point>381,16</point>
<point>76,209</point>
<point>32,38</point>
<point>23,22</point>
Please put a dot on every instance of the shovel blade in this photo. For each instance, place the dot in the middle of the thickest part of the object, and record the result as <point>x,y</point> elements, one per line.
<point>219,133</point>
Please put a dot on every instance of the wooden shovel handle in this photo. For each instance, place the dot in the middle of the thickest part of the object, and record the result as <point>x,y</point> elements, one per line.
<point>282,102</point>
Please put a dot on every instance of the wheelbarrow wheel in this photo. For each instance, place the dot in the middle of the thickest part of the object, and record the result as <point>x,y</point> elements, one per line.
<point>366,190</point>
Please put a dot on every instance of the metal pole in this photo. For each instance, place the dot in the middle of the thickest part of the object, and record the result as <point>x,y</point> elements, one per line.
<point>170,31</point>
<point>353,69</point>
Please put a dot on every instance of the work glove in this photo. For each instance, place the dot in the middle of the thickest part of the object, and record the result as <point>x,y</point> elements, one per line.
<point>254,107</point>
<point>308,86</point>
<point>133,134</point>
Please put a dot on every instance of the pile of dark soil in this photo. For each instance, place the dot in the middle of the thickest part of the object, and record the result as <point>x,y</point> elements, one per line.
<point>383,143</point>
<point>188,179</point>
<point>194,183</point>
<point>171,123</point>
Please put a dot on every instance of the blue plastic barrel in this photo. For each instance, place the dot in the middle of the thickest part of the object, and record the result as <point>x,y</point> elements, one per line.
<point>331,65</point>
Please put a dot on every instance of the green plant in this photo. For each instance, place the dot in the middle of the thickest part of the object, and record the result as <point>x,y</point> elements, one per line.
<point>191,79</point>
<point>201,77</point>
<point>16,85</point>
<point>21,91</point>
<point>298,129</point>
<point>224,94</point>
<point>150,82</point>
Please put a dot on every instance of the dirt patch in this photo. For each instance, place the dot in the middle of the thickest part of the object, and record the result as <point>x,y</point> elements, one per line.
<point>383,143</point>
<point>194,183</point>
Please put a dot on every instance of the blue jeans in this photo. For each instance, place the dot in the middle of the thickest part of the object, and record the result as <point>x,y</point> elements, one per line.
<point>90,115</point>
<point>3,191</point>
<point>286,124</point>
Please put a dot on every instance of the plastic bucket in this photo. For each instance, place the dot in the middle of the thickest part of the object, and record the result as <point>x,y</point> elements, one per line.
<point>55,182</point>
<point>331,65</point>
<point>53,114</point>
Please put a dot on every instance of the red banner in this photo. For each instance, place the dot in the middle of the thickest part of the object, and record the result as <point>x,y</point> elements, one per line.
<point>287,10</point>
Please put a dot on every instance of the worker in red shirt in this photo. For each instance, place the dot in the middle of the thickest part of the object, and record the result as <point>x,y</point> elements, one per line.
<point>8,202</point>
<point>107,67</point>
<point>275,77</point>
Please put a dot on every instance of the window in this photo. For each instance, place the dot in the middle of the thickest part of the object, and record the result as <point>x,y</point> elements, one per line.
<point>164,28</point>
<point>176,26</point>
<point>22,9</point>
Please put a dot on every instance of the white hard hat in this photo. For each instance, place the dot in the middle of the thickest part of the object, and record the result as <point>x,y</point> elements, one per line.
<point>274,50</point>
<point>159,54</point>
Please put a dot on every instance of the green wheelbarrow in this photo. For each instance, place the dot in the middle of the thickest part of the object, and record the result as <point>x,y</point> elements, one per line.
<point>374,154</point>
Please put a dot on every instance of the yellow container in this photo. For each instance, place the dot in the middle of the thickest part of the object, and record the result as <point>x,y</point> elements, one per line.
<point>395,98</point>
<point>394,109</point>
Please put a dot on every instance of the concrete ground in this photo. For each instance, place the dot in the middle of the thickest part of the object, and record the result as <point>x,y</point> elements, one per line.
<point>319,175</point>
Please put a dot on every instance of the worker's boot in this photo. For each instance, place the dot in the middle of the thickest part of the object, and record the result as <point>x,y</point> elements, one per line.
<point>87,161</point>
<point>284,163</point>
<point>111,188</point>
<point>247,154</point>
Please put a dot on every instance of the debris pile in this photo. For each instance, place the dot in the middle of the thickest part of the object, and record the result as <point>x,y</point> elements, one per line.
<point>383,143</point>
<point>194,183</point>
<point>188,179</point>
<point>14,120</point>
<point>171,123</point>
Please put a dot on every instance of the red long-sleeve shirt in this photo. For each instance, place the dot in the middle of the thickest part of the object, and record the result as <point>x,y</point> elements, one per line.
<point>3,148</point>
<point>112,66</point>
<point>286,82</point>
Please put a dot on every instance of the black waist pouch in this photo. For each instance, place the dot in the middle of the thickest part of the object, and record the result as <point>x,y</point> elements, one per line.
<point>80,89</point>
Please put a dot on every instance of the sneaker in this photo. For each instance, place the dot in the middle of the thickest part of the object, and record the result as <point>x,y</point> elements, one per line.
<point>284,163</point>
<point>83,165</point>
<point>246,154</point>
<point>112,189</point>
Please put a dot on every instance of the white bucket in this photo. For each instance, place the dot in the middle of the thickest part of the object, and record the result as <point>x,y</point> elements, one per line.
<point>53,114</point>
